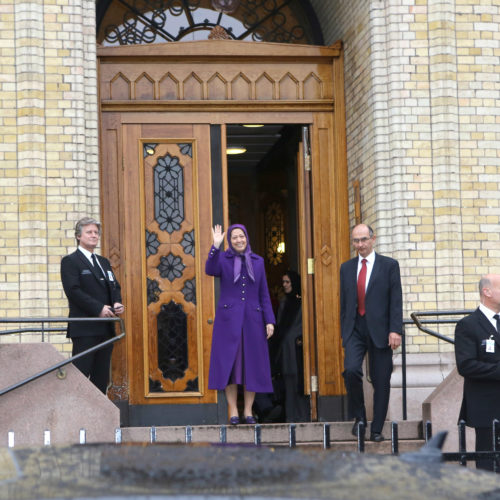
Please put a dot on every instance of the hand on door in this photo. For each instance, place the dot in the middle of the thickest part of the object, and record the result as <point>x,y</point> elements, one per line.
<point>218,235</point>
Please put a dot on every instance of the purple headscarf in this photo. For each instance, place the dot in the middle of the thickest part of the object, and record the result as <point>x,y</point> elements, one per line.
<point>245,255</point>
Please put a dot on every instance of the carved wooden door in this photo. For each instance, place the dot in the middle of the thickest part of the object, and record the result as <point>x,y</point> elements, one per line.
<point>166,198</point>
<point>164,98</point>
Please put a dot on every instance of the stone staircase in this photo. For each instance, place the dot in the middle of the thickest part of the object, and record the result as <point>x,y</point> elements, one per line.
<point>410,436</point>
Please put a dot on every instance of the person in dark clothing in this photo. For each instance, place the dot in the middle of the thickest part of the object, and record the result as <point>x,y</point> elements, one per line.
<point>477,353</point>
<point>289,352</point>
<point>93,292</point>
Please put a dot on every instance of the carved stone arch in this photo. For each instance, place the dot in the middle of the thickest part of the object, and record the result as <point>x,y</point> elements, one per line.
<point>217,87</point>
<point>144,88</point>
<point>289,87</point>
<point>192,87</point>
<point>265,88</point>
<point>169,88</point>
<point>120,88</point>
<point>241,88</point>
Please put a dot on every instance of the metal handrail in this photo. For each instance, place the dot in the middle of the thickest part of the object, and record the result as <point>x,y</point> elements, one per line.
<point>415,316</point>
<point>65,362</point>
<point>419,323</point>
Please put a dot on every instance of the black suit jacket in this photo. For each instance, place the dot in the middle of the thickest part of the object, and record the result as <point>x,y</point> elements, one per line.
<point>383,299</point>
<point>88,292</point>
<point>480,369</point>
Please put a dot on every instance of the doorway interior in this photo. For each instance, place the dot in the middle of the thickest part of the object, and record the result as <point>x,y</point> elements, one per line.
<point>262,193</point>
<point>262,171</point>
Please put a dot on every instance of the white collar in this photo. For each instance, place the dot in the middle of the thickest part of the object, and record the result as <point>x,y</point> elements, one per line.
<point>85,252</point>
<point>489,313</point>
<point>370,258</point>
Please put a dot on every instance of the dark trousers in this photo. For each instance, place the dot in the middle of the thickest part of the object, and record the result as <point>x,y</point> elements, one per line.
<point>380,370</point>
<point>484,442</point>
<point>95,365</point>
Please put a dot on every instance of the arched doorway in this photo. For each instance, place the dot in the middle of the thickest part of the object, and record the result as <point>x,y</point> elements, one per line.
<point>168,111</point>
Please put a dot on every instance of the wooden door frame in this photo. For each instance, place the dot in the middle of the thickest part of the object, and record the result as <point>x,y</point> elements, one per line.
<point>318,100</point>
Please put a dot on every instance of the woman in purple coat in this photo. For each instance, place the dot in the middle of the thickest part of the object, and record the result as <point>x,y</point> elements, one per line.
<point>244,320</point>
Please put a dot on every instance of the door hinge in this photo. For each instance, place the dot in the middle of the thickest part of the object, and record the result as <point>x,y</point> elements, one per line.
<point>307,162</point>
<point>314,383</point>
<point>310,266</point>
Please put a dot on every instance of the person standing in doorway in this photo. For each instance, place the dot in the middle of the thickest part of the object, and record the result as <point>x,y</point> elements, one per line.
<point>289,356</point>
<point>244,321</point>
<point>93,292</point>
<point>477,353</point>
<point>371,316</point>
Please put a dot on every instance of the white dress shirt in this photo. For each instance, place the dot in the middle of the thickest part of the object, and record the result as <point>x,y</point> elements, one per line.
<point>370,260</point>
<point>89,257</point>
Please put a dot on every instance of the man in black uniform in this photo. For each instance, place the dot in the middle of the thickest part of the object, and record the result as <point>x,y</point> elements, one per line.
<point>477,352</point>
<point>92,291</point>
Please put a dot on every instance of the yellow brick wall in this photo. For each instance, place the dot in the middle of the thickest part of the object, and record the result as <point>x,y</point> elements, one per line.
<point>48,150</point>
<point>422,110</point>
<point>422,93</point>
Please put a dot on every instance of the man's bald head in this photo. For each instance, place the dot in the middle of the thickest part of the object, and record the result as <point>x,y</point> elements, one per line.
<point>489,291</point>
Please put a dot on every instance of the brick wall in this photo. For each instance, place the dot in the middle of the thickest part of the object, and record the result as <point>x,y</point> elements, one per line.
<point>422,94</point>
<point>48,148</point>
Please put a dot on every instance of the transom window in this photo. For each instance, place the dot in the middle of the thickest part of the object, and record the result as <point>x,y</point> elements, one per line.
<point>130,22</point>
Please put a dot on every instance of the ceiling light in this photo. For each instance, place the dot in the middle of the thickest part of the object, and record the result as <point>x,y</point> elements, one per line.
<point>253,125</point>
<point>235,150</point>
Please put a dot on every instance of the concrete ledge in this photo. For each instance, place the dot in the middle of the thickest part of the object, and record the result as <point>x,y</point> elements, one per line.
<point>424,372</point>
<point>442,408</point>
<point>270,433</point>
<point>63,406</point>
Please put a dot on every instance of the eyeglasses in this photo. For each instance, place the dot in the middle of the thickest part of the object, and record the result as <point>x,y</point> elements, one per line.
<point>360,240</point>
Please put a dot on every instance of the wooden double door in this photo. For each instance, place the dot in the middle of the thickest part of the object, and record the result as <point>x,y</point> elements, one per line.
<point>164,184</point>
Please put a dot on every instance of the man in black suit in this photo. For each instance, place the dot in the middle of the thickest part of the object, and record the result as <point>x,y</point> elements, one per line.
<point>371,317</point>
<point>92,291</point>
<point>477,353</point>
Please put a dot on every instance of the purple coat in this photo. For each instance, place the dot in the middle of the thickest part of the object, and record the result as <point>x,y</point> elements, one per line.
<point>243,311</point>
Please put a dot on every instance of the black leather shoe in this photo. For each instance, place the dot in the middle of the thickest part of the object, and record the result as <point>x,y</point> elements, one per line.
<point>354,430</point>
<point>377,437</point>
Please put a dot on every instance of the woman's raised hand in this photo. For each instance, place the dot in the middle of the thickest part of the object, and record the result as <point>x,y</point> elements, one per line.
<point>218,235</point>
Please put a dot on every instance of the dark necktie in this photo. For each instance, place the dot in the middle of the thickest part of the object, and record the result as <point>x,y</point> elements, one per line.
<point>497,317</point>
<point>97,267</point>
<point>361,288</point>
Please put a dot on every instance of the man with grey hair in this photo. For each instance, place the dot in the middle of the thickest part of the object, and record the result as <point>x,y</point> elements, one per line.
<point>92,291</point>
<point>477,353</point>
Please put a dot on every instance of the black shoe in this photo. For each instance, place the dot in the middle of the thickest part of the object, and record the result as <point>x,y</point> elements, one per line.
<point>377,437</point>
<point>354,430</point>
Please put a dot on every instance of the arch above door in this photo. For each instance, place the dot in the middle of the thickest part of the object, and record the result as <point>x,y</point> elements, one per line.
<point>169,96</point>
<point>123,22</point>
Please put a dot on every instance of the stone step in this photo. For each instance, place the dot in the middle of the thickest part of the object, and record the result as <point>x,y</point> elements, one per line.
<point>311,434</point>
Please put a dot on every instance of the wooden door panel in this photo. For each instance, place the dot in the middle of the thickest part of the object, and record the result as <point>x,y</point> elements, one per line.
<point>113,227</point>
<point>167,188</point>
<point>328,214</point>
<point>305,253</point>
